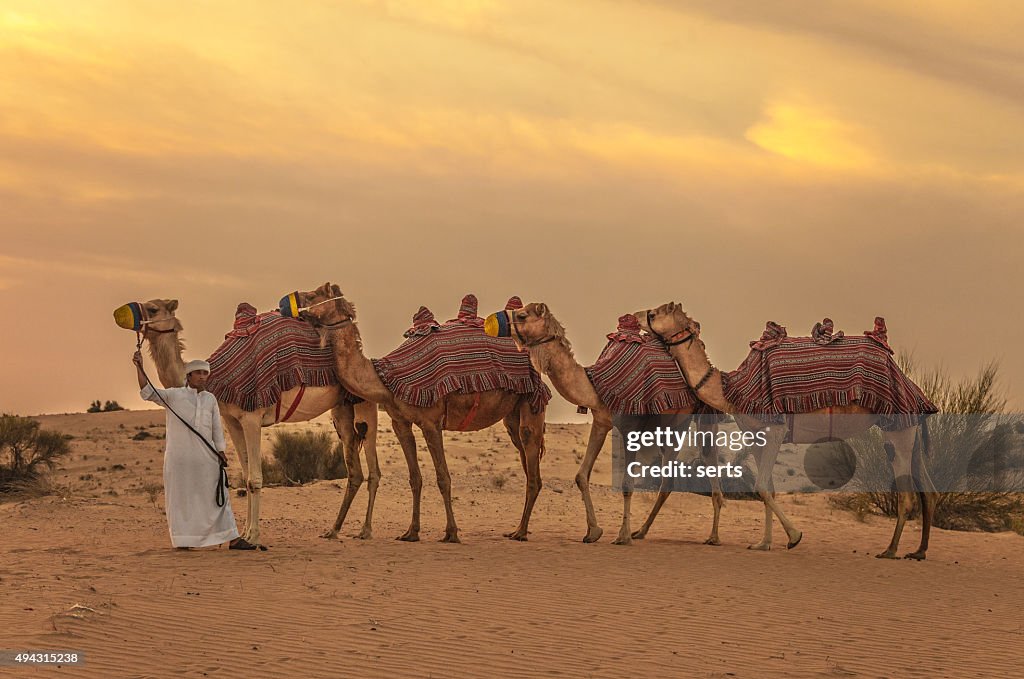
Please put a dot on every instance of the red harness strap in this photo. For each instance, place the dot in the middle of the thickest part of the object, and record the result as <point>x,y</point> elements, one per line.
<point>291,408</point>
<point>471,414</point>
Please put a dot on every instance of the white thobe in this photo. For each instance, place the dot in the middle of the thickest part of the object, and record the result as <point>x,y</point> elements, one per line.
<point>191,472</point>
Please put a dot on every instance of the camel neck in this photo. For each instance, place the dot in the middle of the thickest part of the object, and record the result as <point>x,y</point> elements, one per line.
<point>695,364</point>
<point>355,370</point>
<point>568,377</point>
<point>165,350</point>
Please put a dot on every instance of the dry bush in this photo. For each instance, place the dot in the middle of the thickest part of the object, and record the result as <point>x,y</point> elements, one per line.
<point>37,487</point>
<point>971,426</point>
<point>26,451</point>
<point>301,457</point>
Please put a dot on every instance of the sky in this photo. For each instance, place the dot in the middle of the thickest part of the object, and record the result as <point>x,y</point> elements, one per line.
<point>754,161</point>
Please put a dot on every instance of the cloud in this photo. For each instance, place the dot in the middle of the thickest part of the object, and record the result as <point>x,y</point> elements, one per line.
<point>918,37</point>
<point>808,134</point>
<point>20,271</point>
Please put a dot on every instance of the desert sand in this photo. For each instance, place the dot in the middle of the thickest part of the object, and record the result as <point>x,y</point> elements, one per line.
<point>92,570</point>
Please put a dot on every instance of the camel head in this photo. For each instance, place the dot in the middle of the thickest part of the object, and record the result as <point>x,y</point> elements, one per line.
<point>324,308</point>
<point>530,326</point>
<point>154,316</point>
<point>669,323</point>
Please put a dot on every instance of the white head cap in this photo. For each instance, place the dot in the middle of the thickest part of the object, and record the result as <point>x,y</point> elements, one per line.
<point>192,366</point>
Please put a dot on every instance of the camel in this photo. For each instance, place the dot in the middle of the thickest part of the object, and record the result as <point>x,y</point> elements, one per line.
<point>162,331</point>
<point>536,329</point>
<point>335,318</point>
<point>906,447</point>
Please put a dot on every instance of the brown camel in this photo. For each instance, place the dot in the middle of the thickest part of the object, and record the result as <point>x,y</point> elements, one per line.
<point>162,331</point>
<point>536,328</point>
<point>335,318</point>
<point>906,447</point>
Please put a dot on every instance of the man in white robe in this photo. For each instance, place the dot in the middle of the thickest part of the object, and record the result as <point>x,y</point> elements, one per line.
<point>192,471</point>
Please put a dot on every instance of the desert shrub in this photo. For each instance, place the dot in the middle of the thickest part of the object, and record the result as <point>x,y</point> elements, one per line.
<point>106,407</point>
<point>301,457</point>
<point>26,451</point>
<point>967,501</point>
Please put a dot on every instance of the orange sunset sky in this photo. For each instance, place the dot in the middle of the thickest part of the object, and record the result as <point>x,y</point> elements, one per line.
<point>753,160</point>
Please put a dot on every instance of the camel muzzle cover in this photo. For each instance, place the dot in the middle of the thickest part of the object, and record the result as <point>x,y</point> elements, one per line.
<point>289,305</point>
<point>498,325</point>
<point>131,316</point>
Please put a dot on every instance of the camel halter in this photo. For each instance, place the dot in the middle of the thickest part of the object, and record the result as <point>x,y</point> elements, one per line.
<point>289,307</point>
<point>671,341</point>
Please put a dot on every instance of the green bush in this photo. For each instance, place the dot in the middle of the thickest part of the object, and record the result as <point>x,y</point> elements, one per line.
<point>106,407</point>
<point>953,435</point>
<point>301,457</point>
<point>26,451</point>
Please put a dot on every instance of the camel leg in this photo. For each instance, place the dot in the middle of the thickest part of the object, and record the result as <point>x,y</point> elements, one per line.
<point>663,494</point>
<point>511,422</point>
<point>237,435</point>
<point>899,447</point>
<point>598,433</point>
<point>531,437</point>
<point>403,430</point>
<point>344,424</point>
<point>765,486</point>
<point>234,428</point>
<point>709,455</point>
<point>435,444</point>
<point>251,426</point>
<point>928,496</point>
<point>625,534</point>
<point>366,414</point>
<point>667,455</point>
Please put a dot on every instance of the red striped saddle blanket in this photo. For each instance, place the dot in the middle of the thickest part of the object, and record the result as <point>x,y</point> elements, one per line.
<point>793,375</point>
<point>265,355</point>
<point>635,375</point>
<point>437,360</point>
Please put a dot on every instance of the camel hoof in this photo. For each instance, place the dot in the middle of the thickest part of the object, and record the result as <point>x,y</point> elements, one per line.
<point>794,543</point>
<point>409,537</point>
<point>329,535</point>
<point>365,534</point>
<point>639,534</point>
<point>593,534</point>
<point>760,547</point>
<point>916,556</point>
<point>519,537</point>
<point>622,540</point>
<point>715,542</point>
<point>451,539</point>
<point>887,554</point>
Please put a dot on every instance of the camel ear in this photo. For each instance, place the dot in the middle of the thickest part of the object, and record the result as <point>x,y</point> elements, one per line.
<point>172,305</point>
<point>541,309</point>
<point>335,291</point>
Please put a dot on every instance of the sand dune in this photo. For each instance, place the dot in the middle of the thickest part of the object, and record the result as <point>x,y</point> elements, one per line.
<point>94,572</point>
